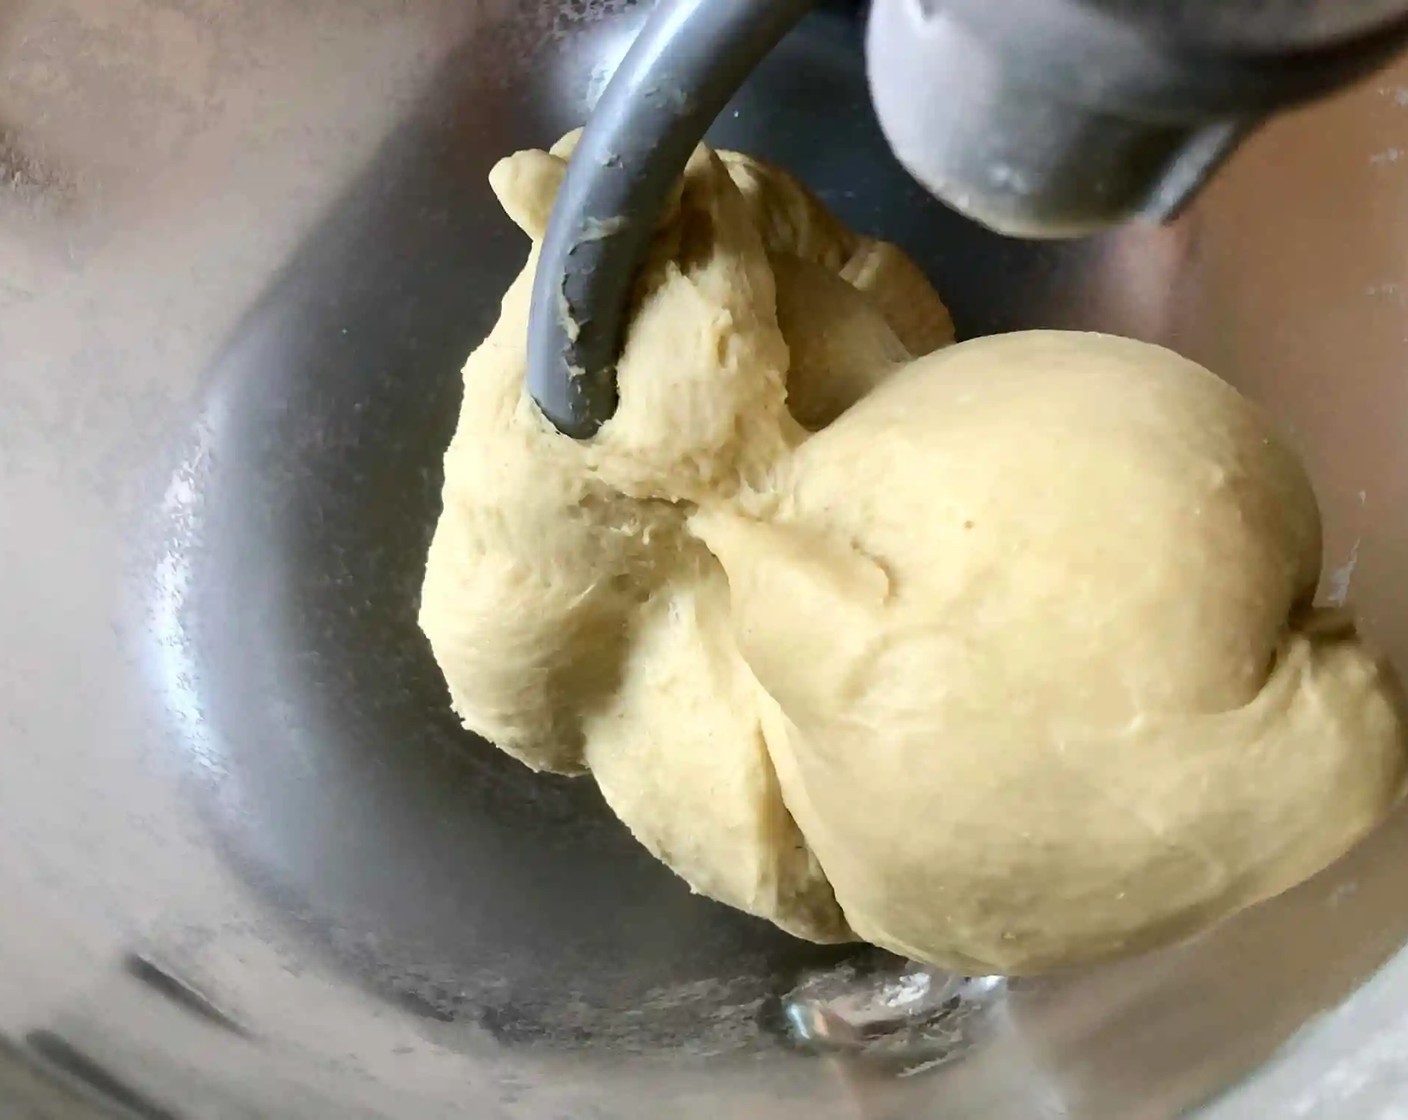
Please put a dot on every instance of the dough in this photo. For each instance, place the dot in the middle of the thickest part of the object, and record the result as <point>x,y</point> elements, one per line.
<point>999,655</point>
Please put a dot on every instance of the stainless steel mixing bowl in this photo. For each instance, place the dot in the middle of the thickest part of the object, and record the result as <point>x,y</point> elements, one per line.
<point>250,865</point>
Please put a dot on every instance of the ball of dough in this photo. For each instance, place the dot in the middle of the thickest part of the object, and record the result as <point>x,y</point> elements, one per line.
<point>998,655</point>
<point>1035,618</point>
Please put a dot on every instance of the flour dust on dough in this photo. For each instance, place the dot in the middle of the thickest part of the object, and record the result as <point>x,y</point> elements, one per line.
<point>998,655</point>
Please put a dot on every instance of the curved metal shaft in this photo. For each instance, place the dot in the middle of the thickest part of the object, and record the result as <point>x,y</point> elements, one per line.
<point>688,61</point>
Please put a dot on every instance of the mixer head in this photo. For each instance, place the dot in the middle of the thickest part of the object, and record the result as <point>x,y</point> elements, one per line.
<point>1054,118</point>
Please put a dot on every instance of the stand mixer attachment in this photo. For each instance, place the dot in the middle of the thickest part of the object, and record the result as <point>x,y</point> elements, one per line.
<point>1039,118</point>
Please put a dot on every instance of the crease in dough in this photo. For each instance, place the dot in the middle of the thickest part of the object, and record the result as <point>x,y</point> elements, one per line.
<point>997,655</point>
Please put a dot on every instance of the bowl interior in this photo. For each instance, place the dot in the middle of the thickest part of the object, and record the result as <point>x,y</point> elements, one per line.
<point>229,759</point>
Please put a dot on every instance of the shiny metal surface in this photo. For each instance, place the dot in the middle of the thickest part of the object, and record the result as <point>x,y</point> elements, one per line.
<point>250,865</point>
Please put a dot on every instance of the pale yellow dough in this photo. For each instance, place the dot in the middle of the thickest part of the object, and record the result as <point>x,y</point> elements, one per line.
<point>998,655</point>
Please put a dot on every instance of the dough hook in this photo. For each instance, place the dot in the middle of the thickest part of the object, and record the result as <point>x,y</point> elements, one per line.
<point>689,59</point>
<point>1042,118</point>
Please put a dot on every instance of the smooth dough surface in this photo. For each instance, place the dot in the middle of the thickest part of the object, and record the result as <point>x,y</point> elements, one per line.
<point>998,655</point>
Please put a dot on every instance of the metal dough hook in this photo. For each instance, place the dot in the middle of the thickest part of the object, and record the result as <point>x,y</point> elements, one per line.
<point>688,61</point>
